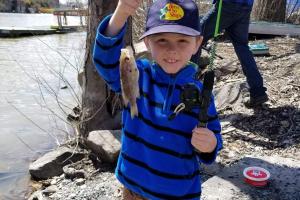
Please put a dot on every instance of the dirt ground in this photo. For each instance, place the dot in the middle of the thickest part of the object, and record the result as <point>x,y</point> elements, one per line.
<point>273,128</point>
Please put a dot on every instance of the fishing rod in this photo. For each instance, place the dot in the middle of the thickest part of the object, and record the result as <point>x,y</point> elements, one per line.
<point>208,49</point>
<point>209,76</point>
<point>190,96</point>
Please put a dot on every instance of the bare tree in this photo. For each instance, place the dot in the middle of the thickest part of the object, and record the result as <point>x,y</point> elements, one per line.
<point>96,113</point>
<point>100,106</point>
<point>269,10</point>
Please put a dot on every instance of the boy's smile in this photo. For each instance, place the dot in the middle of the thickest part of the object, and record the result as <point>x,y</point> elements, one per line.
<point>172,51</point>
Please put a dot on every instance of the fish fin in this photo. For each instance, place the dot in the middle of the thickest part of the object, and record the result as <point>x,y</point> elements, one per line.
<point>133,110</point>
<point>137,93</point>
<point>126,101</point>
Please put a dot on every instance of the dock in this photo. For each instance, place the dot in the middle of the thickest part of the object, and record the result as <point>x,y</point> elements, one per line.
<point>31,31</point>
<point>61,27</point>
<point>274,28</point>
<point>62,16</point>
<point>25,31</point>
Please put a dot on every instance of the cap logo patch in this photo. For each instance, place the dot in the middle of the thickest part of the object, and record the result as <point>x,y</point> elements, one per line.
<point>171,11</point>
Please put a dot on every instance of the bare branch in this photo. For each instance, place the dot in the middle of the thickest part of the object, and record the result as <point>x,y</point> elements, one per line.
<point>26,117</point>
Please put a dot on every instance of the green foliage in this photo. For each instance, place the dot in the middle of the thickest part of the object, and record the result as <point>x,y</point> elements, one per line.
<point>39,3</point>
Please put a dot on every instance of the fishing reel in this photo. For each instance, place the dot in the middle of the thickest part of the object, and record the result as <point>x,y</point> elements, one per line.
<point>190,96</point>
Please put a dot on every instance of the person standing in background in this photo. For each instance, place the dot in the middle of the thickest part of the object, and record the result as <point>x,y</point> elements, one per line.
<point>235,20</point>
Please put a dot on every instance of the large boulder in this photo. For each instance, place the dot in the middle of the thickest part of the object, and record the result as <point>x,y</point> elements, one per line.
<point>52,163</point>
<point>105,144</point>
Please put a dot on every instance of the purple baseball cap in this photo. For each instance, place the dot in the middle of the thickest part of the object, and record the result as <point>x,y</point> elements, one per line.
<point>173,16</point>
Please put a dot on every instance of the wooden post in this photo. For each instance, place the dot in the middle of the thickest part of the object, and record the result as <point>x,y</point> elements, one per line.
<point>81,22</point>
<point>65,18</point>
<point>59,21</point>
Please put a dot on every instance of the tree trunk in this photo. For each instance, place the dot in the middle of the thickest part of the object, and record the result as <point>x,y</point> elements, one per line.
<point>269,10</point>
<point>98,102</point>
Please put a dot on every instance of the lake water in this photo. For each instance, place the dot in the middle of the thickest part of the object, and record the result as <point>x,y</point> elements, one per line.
<point>32,20</point>
<point>33,71</point>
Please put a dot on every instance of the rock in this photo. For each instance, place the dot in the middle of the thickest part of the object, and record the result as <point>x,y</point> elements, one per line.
<point>50,190</point>
<point>51,163</point>
<point>227,130</point>
<point>227,95</point>
<point>72,173</point>
<point>297,70</point>
<point>37,196</point>
<point>80,181</point>
<point>54,181</point>
<point>285,123</point>
<point>105,144</point>
<point>228,68</point>
<point>211,169</point>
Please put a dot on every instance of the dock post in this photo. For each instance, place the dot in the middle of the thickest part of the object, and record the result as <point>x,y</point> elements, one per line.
<point>65,18</point>
<point>81,22</point>
<point>59,21</point>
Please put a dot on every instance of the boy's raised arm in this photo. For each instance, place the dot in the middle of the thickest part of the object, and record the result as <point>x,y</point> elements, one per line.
<point>125,8</point>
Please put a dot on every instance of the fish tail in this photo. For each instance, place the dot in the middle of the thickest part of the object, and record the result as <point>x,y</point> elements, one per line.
<point>133,110</point>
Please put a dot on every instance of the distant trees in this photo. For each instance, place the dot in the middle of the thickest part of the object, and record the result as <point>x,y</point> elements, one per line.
<point>42,3</point>
<point>269,10</point>
<point>75,3</point>
<point>26,5</point>
<point>5,5</point>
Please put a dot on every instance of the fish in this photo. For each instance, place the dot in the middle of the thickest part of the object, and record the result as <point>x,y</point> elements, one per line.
<point>129,78</point>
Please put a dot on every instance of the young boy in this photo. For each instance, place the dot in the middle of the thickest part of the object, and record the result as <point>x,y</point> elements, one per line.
<point>160,157</point>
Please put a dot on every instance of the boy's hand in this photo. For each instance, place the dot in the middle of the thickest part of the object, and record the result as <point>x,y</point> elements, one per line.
<point>125,8</point>
<point>204,140</point>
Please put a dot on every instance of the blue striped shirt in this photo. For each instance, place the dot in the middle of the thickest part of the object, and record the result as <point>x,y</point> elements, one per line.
<point>157,159</point>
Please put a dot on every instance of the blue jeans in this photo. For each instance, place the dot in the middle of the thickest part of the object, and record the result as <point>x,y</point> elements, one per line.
<point>235,19</point>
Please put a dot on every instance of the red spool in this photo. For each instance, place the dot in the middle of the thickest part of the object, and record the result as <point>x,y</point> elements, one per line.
<point>256,176</point>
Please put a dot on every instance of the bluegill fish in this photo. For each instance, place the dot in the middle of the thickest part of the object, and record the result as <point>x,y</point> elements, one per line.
<point>129,76</point>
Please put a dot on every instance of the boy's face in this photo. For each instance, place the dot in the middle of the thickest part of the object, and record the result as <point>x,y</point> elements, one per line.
<point>172,51</point>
